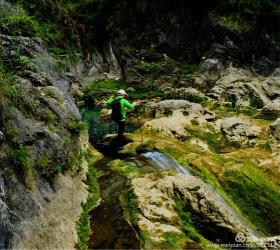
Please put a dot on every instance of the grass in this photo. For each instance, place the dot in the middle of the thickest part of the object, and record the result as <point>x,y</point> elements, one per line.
<point>235,23</point>
<point>21,158</point>
<point>49,117</point>
<point>19,25</point>
<point>43,162</point>
<point>256,196</point>
<point>8,88</point>
<point>109,84</point>
<point>77,126</point>
<point>186,222</point>
<point>230,109</point>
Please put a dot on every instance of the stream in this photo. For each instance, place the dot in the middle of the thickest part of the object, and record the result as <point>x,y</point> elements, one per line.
<point>109,228</point>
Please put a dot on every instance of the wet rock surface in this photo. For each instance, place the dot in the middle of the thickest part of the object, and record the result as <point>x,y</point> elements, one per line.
<point>157,214</point>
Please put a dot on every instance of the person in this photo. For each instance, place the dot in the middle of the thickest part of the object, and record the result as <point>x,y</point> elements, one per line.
<point>119,105</point>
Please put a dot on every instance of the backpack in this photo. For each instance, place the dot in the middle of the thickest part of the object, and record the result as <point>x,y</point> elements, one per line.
<point>116,110</point>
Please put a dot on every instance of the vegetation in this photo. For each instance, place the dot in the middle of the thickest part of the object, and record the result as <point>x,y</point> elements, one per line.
<point>186,223</point>
<point>129,203</point>
<point>242,187</point>
<point>19,24</point>
<point>109,84</point>
<point>21,158</point>
<point>83,226</point>
<point>77,126</point>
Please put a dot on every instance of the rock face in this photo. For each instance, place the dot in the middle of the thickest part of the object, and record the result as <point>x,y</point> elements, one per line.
<point>41,183</point>
<point>241,88</point>
<point>237,131</point>
<point>275,129</point>
<point>272,108</point>
<point>157,214</point>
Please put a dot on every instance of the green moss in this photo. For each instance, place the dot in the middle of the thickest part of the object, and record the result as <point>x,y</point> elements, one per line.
<point>83,226</point>
<point>122,168</point>
<point>174,240</point>
<point>129,203</point>
<point>49,116</point>
<point>77,126</point>
<point>109,84</point>
<point>255,195</point>
<point>21,158</point>
<point>43,162</point>
<point>186,222</point>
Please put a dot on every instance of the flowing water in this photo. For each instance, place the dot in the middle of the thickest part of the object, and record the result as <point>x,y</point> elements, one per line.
<point>109,228</point>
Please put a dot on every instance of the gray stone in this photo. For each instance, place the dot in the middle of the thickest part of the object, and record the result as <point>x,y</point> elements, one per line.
<point>274,129</point>
<point>271,85</point>
<point>190,94</point>
<point>238,131</point>
<point>2,137</point>
<point>211,66</point>
<point>272,108</point>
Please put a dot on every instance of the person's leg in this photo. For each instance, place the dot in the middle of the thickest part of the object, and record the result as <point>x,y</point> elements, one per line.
<point>121,129</point>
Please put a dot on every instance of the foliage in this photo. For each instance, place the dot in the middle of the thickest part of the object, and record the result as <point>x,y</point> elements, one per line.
<point>42,162</point>
<point>20,24</point>
<point>77,126</point>
<point>235,23</point>
<point>49,116</point>
<point>109,84</point>
<point>21,158</point>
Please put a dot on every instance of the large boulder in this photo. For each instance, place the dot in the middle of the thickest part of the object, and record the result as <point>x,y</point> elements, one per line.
<point>174,116</point>
<point>272,108</point>
<point>241,88</point>
<point>190,94</point>
<point>271,85</point>
<point>238,131</point>
<point>157,196</point>
<point>274,129</point>
<point>211,66</point>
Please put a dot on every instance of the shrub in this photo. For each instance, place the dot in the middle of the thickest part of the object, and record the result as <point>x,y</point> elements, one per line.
<point>25,167</point>
<point>48,116</point>
<point>77,126</point>
<point>42,162</point>
<point>20,24</point>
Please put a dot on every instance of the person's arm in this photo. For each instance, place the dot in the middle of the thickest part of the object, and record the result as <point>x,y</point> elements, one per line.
<point>129,105</point>
<point>110,101</point>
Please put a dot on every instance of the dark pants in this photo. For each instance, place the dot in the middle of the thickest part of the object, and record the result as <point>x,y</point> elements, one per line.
<point>121,127</point>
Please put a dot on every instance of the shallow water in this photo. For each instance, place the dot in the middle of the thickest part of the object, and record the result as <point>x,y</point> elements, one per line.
<point>98,127</point>
<point>109,228</point>
<point>163,162</point>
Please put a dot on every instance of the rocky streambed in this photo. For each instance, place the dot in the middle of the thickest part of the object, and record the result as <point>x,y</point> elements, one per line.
<point>150,200</point>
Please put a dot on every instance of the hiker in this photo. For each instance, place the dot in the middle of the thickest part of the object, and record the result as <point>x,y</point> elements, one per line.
<point>119,104</point>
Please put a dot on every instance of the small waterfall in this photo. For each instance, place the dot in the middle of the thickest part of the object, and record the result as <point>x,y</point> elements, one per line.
<point>166,163</point>
<point>163,162</point>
